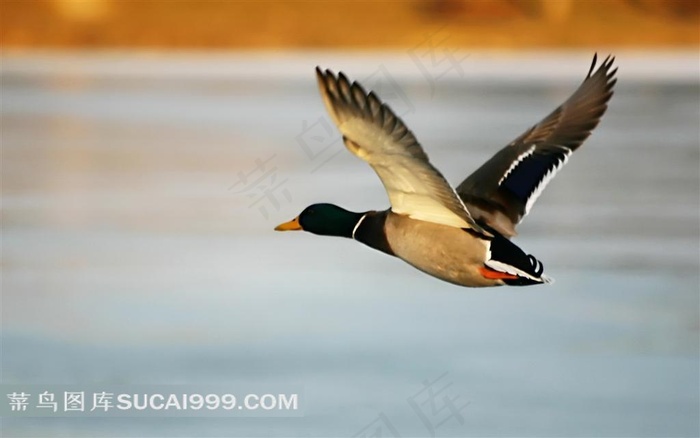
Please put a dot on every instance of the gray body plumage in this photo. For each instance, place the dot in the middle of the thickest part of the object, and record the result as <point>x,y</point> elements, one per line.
<point>445,252</point>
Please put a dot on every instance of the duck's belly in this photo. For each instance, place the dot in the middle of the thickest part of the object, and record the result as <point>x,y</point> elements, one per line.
<point>448,253</point>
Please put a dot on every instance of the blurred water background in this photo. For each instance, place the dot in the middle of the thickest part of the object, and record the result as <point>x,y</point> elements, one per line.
<point>139,193</point>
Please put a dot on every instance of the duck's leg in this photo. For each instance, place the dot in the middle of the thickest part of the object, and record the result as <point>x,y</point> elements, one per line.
<point>492,274</point>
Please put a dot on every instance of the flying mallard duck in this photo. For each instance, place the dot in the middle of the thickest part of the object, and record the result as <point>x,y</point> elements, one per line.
<point>460,236</point>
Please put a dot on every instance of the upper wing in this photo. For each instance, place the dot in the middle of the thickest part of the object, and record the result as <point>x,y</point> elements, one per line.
<point>502,191</point>
<point>372,132</point>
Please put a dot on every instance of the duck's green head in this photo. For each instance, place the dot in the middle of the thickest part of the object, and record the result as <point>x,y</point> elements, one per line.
<point>323,219</point>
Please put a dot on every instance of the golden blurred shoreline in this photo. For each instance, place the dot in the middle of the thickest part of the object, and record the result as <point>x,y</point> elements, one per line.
<point>671,65</point>
<point>114,24</point>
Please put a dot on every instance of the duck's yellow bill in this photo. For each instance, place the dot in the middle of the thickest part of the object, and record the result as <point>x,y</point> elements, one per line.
<point>292,225</point>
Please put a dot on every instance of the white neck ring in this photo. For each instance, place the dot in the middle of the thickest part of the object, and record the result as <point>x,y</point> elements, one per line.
<point>357,225</point>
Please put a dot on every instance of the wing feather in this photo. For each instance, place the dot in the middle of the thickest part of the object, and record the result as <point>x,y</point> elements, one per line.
<point>375,134</point>
<point>502,191</point>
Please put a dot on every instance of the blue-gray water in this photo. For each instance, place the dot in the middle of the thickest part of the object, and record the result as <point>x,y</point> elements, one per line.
<point>139,197</point>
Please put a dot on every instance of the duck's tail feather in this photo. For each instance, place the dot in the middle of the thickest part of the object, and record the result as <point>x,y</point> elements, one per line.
<point>507,257</point>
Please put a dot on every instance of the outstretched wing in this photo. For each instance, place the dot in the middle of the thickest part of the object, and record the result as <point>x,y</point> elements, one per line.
<point>502,191</point>
<point>372,132</point>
